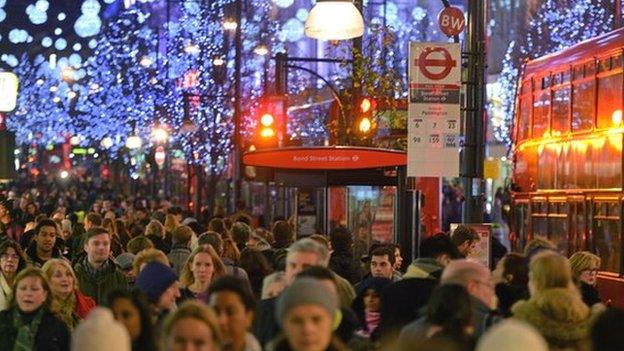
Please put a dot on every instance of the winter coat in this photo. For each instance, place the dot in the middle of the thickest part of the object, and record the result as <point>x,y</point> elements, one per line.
<point>97,285</point>
<point>343,263</point>
<point>590,294</point>
<point>178,256</point>
<point>84,305</point>
<point>508,295</point>
<point>52,334</point>
<point>559,315</point>
<point>31,253</point>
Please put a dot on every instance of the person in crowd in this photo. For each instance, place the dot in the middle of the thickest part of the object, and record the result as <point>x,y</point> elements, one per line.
<point>404,299</point>
<point>97,273</point>
<point>606,332</point>
<point>130,308</point>
<point>12,261</point>
<point>449,314</point>
<point>192,324</point>
<point>307,311</point>
<point>9,227</point>
<point>342,261</point>
<point>231,254</point>
<point>43,247</point>
<point>28,323</point>
<point>284,236</point>
<point>241,232</point>
<point>382,262</point>
<point>100,332</point>
<point>138,244</point>
<point>71,304</point>
<point>117,246</point>
<point>257,267</point>
<point>512,335</point>
<point>234,303</point>
<point>125,262</point>
<point>66,229</point>
<point>215,240</point>
<point>171,223</point>
<point>160,216</point>
<point>217,225</point>
<point>398,261</point>
<point>155,231</point>
<point>511,277</point>
<point>585,267</point>
<point>181,249</point>
<point>29,231</point>
<point>141,216</point>
<point>465,239</point>
<point>31,211</point>
<point>122,232</point>
<point>201,269</point>
<point>367,305</point>
<point>537,245</point>
<point>146,256</point>
<point>555,307</point>
<point>160,284</point>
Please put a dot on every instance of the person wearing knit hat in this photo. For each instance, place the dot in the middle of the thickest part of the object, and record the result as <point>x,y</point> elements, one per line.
<point>307,302</point>
<point>100,331</point>
<point>160,284</point>
<point>512,335</point>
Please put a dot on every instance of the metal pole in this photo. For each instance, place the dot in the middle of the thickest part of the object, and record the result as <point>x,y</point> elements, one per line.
<point>237,100</point>
<point>474,149</point>
<point>617,23</point>
<point>356,84</point>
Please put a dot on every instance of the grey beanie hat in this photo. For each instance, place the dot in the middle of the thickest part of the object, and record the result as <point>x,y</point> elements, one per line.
<point>304,291</point>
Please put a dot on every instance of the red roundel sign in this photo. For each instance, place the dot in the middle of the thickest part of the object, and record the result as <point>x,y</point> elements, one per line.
<point>451,21</point>
<point>435,63</point>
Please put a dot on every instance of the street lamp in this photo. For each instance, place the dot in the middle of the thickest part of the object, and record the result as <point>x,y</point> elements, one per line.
<point>334,20</point>
<point>159,134</point>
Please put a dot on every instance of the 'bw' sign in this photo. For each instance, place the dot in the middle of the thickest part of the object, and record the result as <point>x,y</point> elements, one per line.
<point>434,110</point>
<point>451,21</point>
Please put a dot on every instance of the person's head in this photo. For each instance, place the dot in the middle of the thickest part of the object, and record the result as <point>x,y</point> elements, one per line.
<point>306,312</point>
<point>138,244</point>
<point>131,309</point>
<point>97,245</point>
<point>160,284</point>
<point>241,233</point>
<point>474,277</point>
<point>159,216</point>
<point>256,242</point>
<point>99,331</point>
<point>368,296</point>
<point>92,220</point>
<point>213,239</point>
<point>125,262</point>
<point>193,326</point>
<point>230,250</point>
<point>12,258</point>
<point>513,335</point>
<point>341,239</point>
<point>322,274</point>
<point>255,263</point>
<point>46,232</point>
<point>61,277</point>
<point>585,266</point>
<point>382,262</point>
<point>66,228</point>
<point>440,248</point>
<point>398,259</point>
<point>283,234</point>
<point>203,265</point>
<point>450,308</point>
<point>109,225</point>
<point>465,239</point>
<point>146,256</point>
<point>217,225</point>
<point>511,269</point>
<point>321,239</point>
<point>549,270</point>
<point>233,302</point>
<point>182,235</point>
<point>538,244</point>
<point>155,228</point>
<point>302,254</point>
<point>171,223</point>
<point>30,291</point>
<point>606,332</point>
<point>176,212</point>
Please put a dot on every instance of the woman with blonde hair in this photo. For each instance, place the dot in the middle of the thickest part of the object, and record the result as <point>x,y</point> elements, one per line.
<point>201,269</point>
<point>70,304</point>
<point>190,324</point>
<point>146,256</point>
<point>555,307</point>
<point>585,266</point>
<point>155,231</point>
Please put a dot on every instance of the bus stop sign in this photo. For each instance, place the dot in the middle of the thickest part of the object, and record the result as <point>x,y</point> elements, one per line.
<point>451,21</point>
<point>435,68</point>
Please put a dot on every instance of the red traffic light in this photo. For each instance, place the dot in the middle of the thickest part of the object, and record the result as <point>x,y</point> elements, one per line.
<point>367,105</point>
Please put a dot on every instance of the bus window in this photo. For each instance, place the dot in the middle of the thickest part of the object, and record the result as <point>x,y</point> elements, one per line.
<point>607,163</point>
<point>583,105</point>
<point>546,166</point>
<point>524,118</point>
<point>541,110</point>
<point>558,226</point>
<point>539,219</point>
<point>607,239</point>
<point>521,220</point>
<point>610,101</point>
<point>561,110</point>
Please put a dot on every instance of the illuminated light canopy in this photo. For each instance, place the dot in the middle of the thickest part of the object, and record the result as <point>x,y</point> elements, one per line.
<point>134,142</point>
<point>160,134</point>
<point>302,14</point>
<point>93,43</point>
<point>35,15</point>
<point>60,44</point>
<point>334,20</point>
<point>229,24</point>
<point>42,5</point>
<point>261,50</point>
<point>17,36</point>
<point>2,15</point>
<point>61,16</point>
<point>419,13</point>
<point>267,119</point>
<point>58,31</point>
<point>77,47</point>
<point>106,143</point>
<point>90,7</point>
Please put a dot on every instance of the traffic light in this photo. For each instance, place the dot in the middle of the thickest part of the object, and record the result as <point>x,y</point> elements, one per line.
<point>271,128</point>
<point>364,122</point>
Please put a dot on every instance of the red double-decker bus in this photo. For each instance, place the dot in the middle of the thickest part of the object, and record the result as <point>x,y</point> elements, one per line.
<point>567,146</point>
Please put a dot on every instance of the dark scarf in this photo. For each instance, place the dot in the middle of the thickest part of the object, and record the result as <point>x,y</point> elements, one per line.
<point>94,272</point>
<point>26,332</point>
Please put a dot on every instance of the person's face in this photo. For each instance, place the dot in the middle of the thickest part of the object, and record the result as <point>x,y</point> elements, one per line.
<point>30,294</point>
<point>190,334</point>
<point>589,276</point>
<point>167,299</point>
<point>98,248</point>
<point>128,314</point>
<point>3,211</point>
<point>380,266</point>
<point>297,262</point>
<point>61,281</point>
<point>202,267</point>
<point>372,301</point>
<point>234,319</point>
<point>31,209</point>
<point>9,261</point>
<point>46,238</point>
<point>106,205</point>
<point>308,328</point>
<point>467,247</point>
<point>96,207</point>
<point>398,259</point>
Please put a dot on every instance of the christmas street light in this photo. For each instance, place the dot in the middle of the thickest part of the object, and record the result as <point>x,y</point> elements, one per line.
<point>334,20</point>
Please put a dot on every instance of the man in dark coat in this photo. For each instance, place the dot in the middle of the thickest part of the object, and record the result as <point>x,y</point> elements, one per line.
<point>342,261</point>
<point>43,247</point>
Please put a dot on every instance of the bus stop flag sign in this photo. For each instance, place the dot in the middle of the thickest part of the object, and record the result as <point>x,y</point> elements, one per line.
<point>434,110</point>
